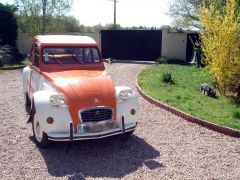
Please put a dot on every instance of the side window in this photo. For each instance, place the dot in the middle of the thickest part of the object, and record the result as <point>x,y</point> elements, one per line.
<point>35,56</point>
<point>95,55</point>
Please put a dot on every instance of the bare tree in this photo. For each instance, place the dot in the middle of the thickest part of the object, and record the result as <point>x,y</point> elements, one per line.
<point>37,15</point>
<point>185,13</point>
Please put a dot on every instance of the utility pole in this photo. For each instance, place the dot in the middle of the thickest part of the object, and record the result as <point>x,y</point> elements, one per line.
<point>115,9</point>
<point>115,4</point>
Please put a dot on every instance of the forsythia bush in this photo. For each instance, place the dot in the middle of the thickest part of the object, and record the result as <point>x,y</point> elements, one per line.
<point>220,37</point>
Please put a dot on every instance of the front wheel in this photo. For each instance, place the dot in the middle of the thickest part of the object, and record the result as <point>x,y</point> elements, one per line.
<point>41,138</point>
<point>27,100</point>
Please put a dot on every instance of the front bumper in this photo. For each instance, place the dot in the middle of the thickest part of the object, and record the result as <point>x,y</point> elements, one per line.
<point>97,135</point>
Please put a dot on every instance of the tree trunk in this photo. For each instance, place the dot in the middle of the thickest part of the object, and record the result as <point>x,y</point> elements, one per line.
<point>44,7</point>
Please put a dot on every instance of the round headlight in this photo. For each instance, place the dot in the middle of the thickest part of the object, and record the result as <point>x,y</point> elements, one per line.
<point>125,94</point>
<point>57,100</point>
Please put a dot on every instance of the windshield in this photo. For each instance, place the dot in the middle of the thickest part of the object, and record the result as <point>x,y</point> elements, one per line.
<point>71,55</point>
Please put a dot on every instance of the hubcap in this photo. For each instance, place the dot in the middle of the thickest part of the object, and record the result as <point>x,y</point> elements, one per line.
<point>37,131</point>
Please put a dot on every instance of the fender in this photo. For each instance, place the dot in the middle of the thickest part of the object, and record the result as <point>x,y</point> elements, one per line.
<point>124,108</point>
<point>26,78</point>
<point>43,110</point>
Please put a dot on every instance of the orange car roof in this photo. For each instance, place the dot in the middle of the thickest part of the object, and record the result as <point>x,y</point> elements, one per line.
<point>65,39</point>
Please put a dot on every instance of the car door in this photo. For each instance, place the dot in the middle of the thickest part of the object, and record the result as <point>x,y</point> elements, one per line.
<point>35,76</point>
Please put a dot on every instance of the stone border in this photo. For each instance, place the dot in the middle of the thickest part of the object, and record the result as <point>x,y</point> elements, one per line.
<point>221,129</point>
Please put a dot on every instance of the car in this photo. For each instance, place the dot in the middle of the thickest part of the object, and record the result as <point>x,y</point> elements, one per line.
<point>71,96</point>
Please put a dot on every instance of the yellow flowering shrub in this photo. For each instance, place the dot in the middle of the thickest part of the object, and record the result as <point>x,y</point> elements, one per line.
<point>220,37</point>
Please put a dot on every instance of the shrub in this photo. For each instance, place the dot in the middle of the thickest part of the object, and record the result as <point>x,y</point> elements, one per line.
<point>167,78</point>
<point>4,55</point>
<point>161,60</point>
<point>220,36</point>
<point>164,60</point>
<point>236,114</point>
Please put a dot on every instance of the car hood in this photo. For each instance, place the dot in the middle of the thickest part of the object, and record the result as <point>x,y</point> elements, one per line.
<point>84,89</point>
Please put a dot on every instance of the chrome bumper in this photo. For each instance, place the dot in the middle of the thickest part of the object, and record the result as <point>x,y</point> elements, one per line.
<point>95,135</point>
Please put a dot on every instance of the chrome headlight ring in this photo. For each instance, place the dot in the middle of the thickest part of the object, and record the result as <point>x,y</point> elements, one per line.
<point>124,95</point>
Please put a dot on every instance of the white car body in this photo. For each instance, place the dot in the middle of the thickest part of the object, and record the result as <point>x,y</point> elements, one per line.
<point>39,89</point>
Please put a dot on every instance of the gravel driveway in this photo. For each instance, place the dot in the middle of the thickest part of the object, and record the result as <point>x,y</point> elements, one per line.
<point>164,146</point>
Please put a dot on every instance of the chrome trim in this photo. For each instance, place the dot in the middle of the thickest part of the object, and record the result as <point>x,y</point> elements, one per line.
<point>95,136</point>
<point>95,107</point>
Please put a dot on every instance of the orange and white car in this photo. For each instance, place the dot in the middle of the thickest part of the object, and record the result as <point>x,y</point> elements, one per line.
<point>71,95</point>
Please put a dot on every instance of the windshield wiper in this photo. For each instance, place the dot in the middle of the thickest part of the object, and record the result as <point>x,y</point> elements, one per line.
<point>76,59</point>
<point>59,62</point>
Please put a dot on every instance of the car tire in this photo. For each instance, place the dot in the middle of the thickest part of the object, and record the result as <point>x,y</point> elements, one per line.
<point>27,100</point>
<point>40,137</point>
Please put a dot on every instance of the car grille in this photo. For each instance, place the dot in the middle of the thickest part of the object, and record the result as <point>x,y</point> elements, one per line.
<point>96,115</point>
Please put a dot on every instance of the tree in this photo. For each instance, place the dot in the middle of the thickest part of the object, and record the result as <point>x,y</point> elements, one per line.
<point>37,16</point>
<point>8,25</point>
<point>112,27</point>
<point>71,24</point>
<point>220,36</point>
<point>8,34</point>
<point>186,12</point>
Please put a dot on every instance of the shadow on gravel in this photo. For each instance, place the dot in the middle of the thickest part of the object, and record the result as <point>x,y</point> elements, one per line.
<point>109,157</point>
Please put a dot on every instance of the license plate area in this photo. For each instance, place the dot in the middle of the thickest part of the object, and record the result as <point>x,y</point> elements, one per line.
<point>93,127</point>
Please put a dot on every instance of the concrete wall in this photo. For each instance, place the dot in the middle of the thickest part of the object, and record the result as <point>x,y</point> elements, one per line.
<point>24,42</point>
<point>174,45</point>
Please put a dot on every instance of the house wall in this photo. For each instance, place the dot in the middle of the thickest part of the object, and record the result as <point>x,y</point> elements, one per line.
<point>24,42</point>
<point>174,45</point>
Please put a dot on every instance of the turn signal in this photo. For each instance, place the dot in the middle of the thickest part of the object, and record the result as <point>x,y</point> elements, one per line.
<point>133,111</point>
<point>50,120</point>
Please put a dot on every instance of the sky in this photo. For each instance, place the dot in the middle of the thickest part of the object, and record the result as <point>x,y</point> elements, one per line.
<point>150,13</point>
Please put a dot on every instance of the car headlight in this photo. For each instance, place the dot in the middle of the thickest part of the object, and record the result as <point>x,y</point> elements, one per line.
<point>57,100</point>
<point>125,94</point>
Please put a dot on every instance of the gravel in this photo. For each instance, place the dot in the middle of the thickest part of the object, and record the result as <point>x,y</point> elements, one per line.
<point>163,146</point>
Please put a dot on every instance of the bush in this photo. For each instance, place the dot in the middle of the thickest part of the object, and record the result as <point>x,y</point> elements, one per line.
<point>164,60</point>
<point>221,41</point>
<point>167,78</point>
<point>236,114</point>
<point>161,60</point>
<point>4,55</point>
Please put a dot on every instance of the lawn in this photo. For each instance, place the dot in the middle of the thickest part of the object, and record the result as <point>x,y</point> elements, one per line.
<point>3,71</point>
<point>23,62</point>
<point>185,94</point>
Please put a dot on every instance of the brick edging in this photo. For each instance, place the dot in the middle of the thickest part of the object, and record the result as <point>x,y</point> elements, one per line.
<point>221,129</point>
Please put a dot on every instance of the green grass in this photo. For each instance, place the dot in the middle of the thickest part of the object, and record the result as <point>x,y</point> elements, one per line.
<point>23,62</point>
<point>185,94</point>
<point>3,71</point>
